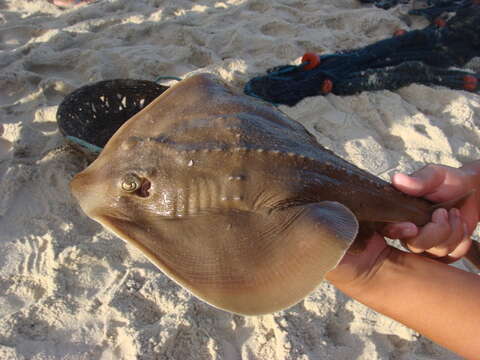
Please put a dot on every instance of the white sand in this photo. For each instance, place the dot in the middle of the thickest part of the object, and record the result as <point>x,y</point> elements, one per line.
<point>70,290</point>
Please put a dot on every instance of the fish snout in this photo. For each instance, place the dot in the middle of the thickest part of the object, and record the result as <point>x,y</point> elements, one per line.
<point>87,192</point>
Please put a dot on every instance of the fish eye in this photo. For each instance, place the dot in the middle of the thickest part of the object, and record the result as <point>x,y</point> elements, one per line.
<point>131,183</point>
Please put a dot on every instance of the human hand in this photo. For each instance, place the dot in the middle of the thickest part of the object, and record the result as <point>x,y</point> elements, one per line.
<point>357,268</point>
<point>447,236</point>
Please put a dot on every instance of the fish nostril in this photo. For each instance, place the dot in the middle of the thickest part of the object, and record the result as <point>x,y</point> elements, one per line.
<point>143,191</point>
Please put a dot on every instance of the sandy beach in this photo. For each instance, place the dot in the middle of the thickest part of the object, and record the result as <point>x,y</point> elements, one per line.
<point>71,290</point>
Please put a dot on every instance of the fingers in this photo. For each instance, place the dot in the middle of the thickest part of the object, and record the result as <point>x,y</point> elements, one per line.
<point>445,245</point>
<point>437,183</point>
<point>421,183</point>
<point>433,237</point>
<point>445,236</point>
<point>400,230</point>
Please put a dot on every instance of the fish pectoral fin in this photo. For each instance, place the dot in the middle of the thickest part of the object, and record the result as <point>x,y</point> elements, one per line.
<point>328,228</point>
<point>307,242</point>
<point>245,262</point>
<point>277,259</point>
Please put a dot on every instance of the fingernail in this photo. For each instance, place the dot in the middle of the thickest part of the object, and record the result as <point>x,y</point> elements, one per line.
<point>455,213</point>
<point>400,178</point>
<point>440,215</point>
<point>409,230</point>
<point>445,215</point>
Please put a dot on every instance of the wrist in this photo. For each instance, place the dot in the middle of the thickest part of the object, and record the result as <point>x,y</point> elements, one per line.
<point>357,281</point>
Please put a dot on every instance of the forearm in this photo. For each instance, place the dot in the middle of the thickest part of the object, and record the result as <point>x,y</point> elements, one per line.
<point>438,301</point>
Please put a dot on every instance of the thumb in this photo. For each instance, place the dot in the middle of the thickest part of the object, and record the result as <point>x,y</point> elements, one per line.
<point>423,182</point>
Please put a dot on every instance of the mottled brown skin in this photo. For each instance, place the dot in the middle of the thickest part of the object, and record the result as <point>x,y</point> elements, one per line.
<point>235,201</point>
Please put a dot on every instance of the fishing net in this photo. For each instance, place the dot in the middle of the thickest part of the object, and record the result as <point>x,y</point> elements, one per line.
<point>421,56</point>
